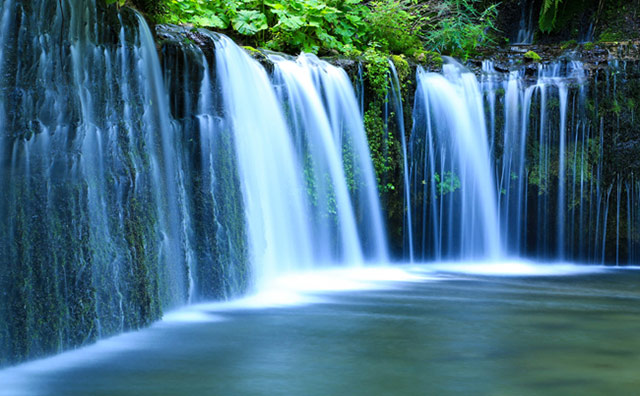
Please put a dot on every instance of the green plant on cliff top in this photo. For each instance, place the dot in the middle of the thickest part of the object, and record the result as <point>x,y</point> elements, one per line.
<point>453,27</point>
<point>293,25</point>
<point>457,28</point>
<point>396,25</point>
<point>311,25</point>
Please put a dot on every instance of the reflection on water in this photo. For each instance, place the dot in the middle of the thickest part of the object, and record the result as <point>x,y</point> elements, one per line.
<point>432,333</point>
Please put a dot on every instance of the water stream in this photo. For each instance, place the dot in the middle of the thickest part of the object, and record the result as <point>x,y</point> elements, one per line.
<point>451,169</point>
<point>526,26</point>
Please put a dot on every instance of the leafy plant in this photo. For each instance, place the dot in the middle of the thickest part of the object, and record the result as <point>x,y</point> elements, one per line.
<point>548,15</point>
<point>448,183</point>
<point>396,24</point>
<point>457,28</point>
<point>249,22</point>
<point>196,12</point>
<point>410,27</point>
<point>312,25</point>
<point>308,25</point>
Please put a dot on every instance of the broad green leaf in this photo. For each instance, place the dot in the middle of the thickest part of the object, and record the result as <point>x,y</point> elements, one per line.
<point>281,13</point>
<point>274,5</point>
<point>548,15</point>
<point>297,6</point>
<point>353,19</point>
<point>292,22</point>
<point>314,21</point>
<point>210,21</point>
<point>249,22</point>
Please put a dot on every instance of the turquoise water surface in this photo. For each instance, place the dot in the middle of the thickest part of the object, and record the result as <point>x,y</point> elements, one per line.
<point>430,331</point>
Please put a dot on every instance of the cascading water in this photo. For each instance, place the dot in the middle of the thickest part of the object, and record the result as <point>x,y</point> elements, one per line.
<point>172,210</point>
<point>125,198</point>
<point>546,148</point>
<point>276,211</point>
<point>451,170</point>
<point>557,199</point>
<point>395,94</point>
<point>6,24</point>
<point>129,191</point>
<point>318,153</point>
<point>328,136</point>
<point>95,217</point>
<point>526,24</point>
<point>521,169</point>
<point>303,209</point>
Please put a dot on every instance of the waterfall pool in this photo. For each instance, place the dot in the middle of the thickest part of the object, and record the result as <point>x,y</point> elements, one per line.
<point>490,329</point>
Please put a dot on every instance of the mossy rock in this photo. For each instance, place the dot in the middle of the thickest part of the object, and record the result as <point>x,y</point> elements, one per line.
<point>531,56</point>
<point>253,51</point>
<point>429,59</point>
<point>402,66</point>
<point>260,57</point>
<point>568,44</point>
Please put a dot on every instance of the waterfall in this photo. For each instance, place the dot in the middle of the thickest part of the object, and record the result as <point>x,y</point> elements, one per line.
<point>6,24</point>
<point>96,216</point>
<point>544,140</point>
<point>325,121</point>
<point>219,220</point>
<point>396,101</point>
<point>273,191</point>
<point>134,187</point>
<point>303,208</point>
<point>520,168</point>
<point>135,183</point>
<point>452,169</point>
<point>526,24</point>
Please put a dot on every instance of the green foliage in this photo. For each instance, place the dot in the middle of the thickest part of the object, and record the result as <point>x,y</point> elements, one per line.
<point>615,107</point>
<point>312,25</point>
<point>308,25</point>
<point>568,44</point>
<point>376,71</point>
<point>249,22</point>
<point>196,12</point>
<point>395,25</point>
<point>410,27</point>
<point>379,146</point>
<point>619,20</point>
<point>448,183</point>
<point>548,15</point>
<point>610,37</point>
<point>416,28</point>
<point>631,104</point>
<point>402,67</point>
<point>457,27</point>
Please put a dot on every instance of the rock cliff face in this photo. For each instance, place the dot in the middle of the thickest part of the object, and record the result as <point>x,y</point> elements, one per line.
<point>578,20</point>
